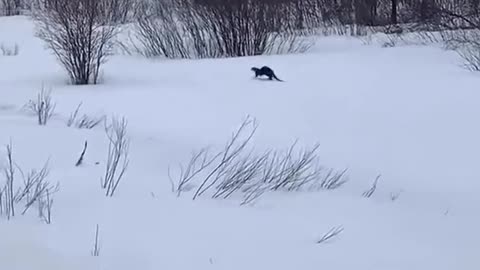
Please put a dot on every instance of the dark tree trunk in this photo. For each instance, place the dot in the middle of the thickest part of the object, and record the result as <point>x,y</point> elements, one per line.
<point>393,17</point>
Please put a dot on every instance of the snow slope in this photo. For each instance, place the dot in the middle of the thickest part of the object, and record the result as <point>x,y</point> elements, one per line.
<point>408,113</point>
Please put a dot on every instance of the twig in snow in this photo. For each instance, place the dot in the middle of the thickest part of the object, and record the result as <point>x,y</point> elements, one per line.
<point>332,233</point>
<point>73,116</point>
<point>80,160</point>
<point>8,193</point>
<point>369,193</point>
<point>87,122</point>
<point>96,245</point>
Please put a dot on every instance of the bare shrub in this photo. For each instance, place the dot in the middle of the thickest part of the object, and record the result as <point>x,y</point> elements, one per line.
<point>10,7</point>
<point>210,29</point>
<point>333,179</point>
<point>227,156</point>
<point>9,50</point>
<point>43,107</point>
<point>34,189</point>
<point>88,122</point>
<point>79,34</point>
<point>45,205</point>
<point>37,190</point>
<point>467,44</point>
<point>458,23</point>
<point>117,157</point>
<point>237,170</point>
<point>331,234</point>
<point>253,192</point>
<point>249,27</point>
<point>85,121</point>
<point>156,33</point>
<point>196,165</point>
<point>119,11</point>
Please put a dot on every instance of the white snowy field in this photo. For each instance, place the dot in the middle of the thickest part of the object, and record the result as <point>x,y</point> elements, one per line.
<point>408,113</point>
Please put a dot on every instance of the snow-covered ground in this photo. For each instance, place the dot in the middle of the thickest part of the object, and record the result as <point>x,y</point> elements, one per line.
<point>409,113</point>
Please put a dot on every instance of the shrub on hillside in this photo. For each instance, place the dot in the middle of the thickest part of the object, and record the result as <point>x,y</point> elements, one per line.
<point>79,33</point>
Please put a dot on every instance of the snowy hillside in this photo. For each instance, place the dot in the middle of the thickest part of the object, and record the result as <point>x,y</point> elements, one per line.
<point>409,114</point>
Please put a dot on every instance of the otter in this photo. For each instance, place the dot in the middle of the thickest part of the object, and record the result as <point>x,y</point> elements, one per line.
<point>265,71</point>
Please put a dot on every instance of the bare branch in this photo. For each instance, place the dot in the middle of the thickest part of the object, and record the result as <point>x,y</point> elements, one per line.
<point>96,245</point>
<point>80,160</point>
<point>331,234</point>
<point>8,190</point>
<point>87,122</point>
<point>117,157</point>
<point>371,191</point>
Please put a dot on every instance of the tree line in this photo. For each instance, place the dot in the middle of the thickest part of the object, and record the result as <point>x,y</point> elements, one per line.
<point>358,12</point>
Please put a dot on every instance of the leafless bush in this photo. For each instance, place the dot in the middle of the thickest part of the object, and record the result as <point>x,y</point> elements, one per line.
<point>235,169</point>
<point>34,189</point>
<point>43,107</point>
<point>293,173</point>
<point>466,43</point>
<point>331,234</point>
<point>79,34</point>
<point>9,50</point>
<point>456,24</point>
<point>45,205</point>
<point>333,179</point>
<point>253,192</point>
<point>119,11</point>
<point>211,28</point>
<point>117,157</point>
<point>85,121</point>
<point>460,30</point>
<point>38,190</point>
<point>368,193</point>
<point>196,165</point>
<point>227,157</point>
<point>10,7</point>
<point>161,31</point>
<point>88,122</point>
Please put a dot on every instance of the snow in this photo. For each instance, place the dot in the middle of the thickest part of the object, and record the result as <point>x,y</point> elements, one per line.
<point>408,113</point>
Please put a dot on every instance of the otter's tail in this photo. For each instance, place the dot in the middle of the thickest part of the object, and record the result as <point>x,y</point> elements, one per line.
<point>275,76</point>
